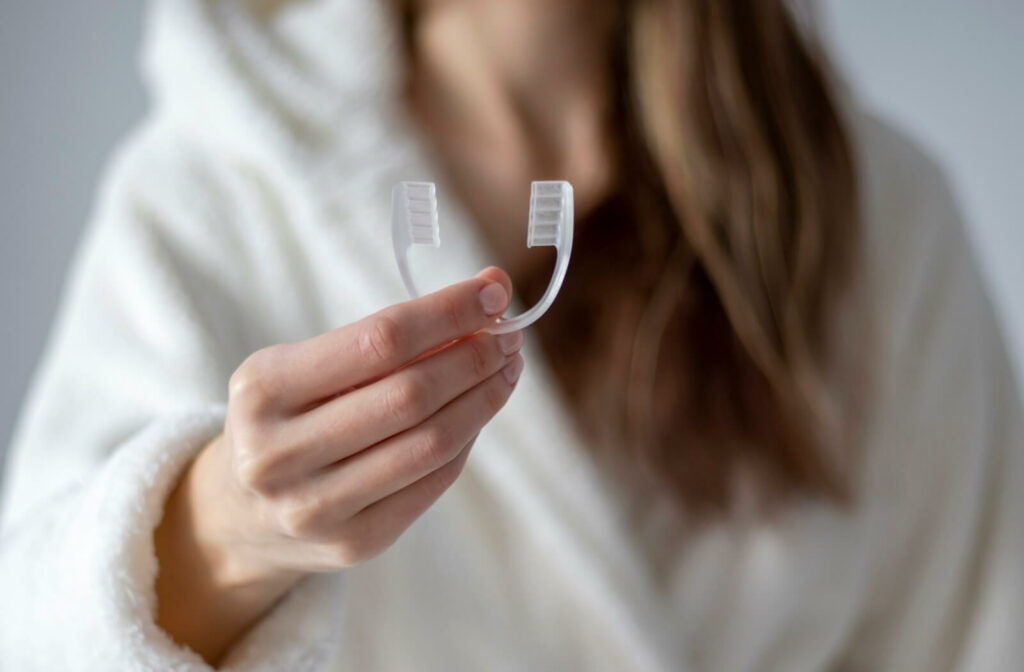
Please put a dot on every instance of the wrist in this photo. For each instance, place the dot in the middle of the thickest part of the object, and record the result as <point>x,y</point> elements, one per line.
<point>218,522</point>
<point>208,594</point>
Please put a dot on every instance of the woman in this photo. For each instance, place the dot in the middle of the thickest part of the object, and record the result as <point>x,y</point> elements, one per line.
<point>768,425</point>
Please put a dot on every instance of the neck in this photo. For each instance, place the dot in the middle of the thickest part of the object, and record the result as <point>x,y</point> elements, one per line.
<point>511,91</point>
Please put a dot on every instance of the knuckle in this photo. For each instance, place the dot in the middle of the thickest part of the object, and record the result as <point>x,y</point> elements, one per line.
<point>243,384</point>
<point>444,478</point>
<point>454,313</point>
<point>341,555</point>
<point>355,549</point>
<point>483,357</point>
<point>250,474</point>
<point>252,470</point>
<point>257,467</point>
<point>406,400</point>
<point>434,446</point>
<point>251,384</point>
<point>297,516</point>
<point>380,341</point>
<point>494,396</point>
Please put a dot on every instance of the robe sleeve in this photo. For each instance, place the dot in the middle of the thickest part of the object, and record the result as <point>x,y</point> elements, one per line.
<point>132,384</point>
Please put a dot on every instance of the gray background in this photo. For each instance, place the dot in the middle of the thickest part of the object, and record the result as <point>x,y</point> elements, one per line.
<point>946,71</point>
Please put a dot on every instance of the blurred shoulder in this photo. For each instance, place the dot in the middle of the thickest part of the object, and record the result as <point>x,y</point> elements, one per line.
<point>907,198</point>
<point>157,169</point>
<point>914,240</point>
<point>941,359</point>
<point>178,206</point>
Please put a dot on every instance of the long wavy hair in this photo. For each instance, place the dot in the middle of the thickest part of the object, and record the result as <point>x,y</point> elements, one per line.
<point>693,338</point>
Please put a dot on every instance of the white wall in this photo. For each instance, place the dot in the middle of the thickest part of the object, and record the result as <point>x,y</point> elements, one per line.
<point>68,90</point>
<point>950,72</point>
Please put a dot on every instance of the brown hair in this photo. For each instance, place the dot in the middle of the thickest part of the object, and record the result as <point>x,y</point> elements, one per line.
<point>691,338</point>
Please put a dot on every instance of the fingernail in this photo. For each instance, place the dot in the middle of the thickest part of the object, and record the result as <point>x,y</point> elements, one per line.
<point>494,299</point>
<point>510,343</point>
<point>512,370</point>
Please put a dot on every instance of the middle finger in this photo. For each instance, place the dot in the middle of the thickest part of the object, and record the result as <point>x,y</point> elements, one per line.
<point>371,414</point>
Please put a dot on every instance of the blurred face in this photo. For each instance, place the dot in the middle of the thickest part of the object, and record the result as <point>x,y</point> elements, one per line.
<point>525,31</point>
<point>511,91</point>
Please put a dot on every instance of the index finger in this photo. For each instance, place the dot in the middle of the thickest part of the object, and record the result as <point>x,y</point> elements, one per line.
<point>349,356</point>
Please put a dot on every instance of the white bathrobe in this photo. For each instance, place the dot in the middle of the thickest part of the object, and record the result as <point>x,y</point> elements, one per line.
<point>250,208</point>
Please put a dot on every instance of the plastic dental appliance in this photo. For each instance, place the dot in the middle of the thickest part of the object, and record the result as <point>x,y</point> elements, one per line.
<point>414,221</point>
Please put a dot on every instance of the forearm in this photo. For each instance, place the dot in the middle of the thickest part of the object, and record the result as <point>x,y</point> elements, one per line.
<point>304,479</point>
<point>206,598</point>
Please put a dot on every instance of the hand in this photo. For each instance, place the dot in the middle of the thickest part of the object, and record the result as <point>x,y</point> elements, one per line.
<point>332,447</point>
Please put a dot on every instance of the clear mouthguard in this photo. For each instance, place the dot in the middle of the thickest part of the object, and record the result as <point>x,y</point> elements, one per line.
<point>414,221</point>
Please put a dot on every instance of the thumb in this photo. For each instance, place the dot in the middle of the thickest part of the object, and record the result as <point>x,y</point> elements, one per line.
<point>495,274</point>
